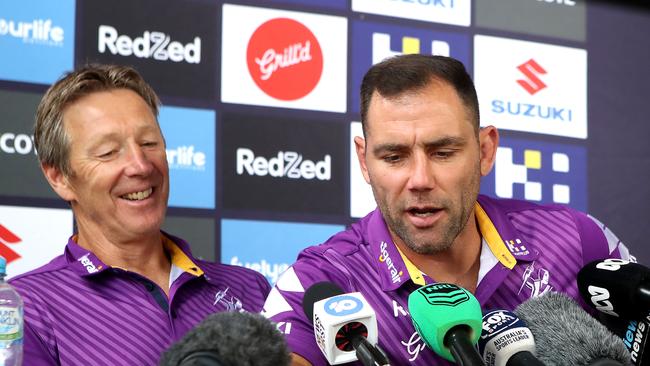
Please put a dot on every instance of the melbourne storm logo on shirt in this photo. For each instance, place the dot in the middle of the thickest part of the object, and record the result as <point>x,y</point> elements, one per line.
<point>536,280</point>
<point>395,274</point>
<point>231,303</point>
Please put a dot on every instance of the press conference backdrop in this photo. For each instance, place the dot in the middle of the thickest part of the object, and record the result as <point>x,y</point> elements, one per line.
<point>261,106</point>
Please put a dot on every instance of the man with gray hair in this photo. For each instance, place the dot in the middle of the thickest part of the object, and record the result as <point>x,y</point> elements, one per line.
<point>123,290</point>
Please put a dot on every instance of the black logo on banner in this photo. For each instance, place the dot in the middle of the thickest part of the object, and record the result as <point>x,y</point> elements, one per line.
<point>166,41</point>
<point>444,294</point>
<point>284,165</point>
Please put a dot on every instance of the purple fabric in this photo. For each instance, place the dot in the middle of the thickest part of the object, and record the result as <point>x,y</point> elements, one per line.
<point>555,239</point>
<point>78,311</point>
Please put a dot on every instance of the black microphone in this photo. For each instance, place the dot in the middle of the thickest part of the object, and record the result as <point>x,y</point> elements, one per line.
<point>616,287</point>
<point>566,335</point>
<point>345,325</point>
<point>230,339</point>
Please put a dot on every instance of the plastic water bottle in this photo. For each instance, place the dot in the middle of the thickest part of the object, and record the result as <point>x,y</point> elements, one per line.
<point>11,322</point>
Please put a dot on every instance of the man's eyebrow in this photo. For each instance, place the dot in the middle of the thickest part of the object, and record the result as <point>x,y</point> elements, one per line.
<point>447,141</point>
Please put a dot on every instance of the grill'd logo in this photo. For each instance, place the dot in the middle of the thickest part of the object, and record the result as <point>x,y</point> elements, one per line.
<point>532,84</point>
<point>284,59</point>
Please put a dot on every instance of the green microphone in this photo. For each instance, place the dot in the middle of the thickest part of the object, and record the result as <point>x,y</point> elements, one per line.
<point>449,320</point>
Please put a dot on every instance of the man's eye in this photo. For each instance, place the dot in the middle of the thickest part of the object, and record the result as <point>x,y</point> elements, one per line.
<point>107,154</point>
<point>443,154</point>
<point>150,144</point>
<point>392,158</point>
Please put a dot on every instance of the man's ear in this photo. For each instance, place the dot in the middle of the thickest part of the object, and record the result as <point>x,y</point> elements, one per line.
<point>59,182</point>
<point>360,145</point>
<point>488,142</point>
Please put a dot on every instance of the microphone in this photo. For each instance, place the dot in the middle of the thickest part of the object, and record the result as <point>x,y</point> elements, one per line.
<point>616,287</point>
<point>448,318</point>
<point>230,339</point>
<point>345,325</point>
<point>506,341</point>
<point>566,335</point>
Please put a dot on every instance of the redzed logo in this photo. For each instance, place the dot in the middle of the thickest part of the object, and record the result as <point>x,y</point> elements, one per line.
<point>285,59</point>
<point>532,83</point>
<point>7,237</point>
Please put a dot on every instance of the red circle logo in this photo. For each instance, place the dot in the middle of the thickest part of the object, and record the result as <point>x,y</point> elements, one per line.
<point>284,59</point>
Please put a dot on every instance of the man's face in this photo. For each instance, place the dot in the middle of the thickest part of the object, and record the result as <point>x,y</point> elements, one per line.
<point>120,180</point>
<point>423,160</point>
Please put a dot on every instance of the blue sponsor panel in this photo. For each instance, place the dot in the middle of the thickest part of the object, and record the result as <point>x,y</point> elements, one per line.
<point>373,42</point>
<point>332,4</point>
<point>36,40</point>
<point>269,247</point>
<point>190,136</point>
<point>540,172</point>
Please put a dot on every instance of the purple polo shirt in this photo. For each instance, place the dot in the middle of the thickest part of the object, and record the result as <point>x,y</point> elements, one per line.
<point>527,250</point>
<point>79,311</point>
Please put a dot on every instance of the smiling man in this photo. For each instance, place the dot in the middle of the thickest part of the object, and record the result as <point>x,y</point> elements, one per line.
<point>423,153</point>
<point>122,291</point>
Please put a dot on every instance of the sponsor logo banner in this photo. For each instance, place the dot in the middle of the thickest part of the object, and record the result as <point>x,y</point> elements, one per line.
<point>283,59</point>
<point>31,237</point>
<point>373,42</point>
<point>457,12</point>
<point>32,31</point>
<point>169,48</point>
<point>531,87</point>
<point>198,232</point>
<point>19,167</point>
<point>532,17</point>
<point>284,165</point>
<point>361,199</point>
<point>190,138</point>
<point>270,247</point>
<point>540,172</point>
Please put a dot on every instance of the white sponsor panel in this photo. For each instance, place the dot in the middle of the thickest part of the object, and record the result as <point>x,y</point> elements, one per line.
<point>457,12</point>
<point>286,59</point>
<point>36,235</point>
<point>531,87</point>
<point>361,199</point>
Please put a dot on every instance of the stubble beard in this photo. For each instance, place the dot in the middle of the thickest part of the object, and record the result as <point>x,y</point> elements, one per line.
<point>426,243</point>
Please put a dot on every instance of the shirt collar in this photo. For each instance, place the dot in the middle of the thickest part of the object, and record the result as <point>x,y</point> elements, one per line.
<point>86,263</point>
<point>496,230</point>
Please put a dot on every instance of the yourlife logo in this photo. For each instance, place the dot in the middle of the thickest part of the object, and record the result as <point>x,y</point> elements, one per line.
<point>285,59</point>
<point>8,238</point>
<point>282,58</point>
<point>532,83</point>
<point>32,31</point>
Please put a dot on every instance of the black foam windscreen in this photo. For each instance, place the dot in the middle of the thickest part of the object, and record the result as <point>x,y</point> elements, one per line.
<point>317,292</point>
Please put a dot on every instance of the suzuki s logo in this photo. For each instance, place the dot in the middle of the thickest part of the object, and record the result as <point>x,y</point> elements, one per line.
<point>531,69</point>
<point>8,238</point>
<point>284,59</point>
<point>38,31</point>
<point>600,299</point>
<point>288,164</point>
<point>156,45</point>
